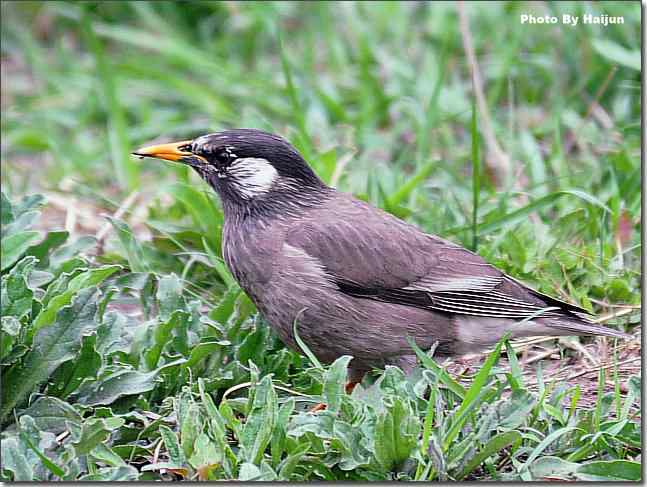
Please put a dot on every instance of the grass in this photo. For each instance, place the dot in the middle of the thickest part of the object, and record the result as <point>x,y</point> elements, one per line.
<point>128,351</point>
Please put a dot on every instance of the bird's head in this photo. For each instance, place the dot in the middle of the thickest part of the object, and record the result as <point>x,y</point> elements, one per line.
<point>246,167</point>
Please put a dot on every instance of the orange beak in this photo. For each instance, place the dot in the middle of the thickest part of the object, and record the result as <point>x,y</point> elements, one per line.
<point>170,152</point>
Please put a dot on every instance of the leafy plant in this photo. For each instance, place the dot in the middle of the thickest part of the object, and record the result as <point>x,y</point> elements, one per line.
<point>91,393</point>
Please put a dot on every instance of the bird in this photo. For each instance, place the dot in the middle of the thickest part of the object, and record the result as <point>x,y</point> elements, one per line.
<point>350,278</point>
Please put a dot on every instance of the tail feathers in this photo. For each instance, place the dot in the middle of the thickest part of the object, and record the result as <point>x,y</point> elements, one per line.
<point>583,327</point>
<point>476,333</point>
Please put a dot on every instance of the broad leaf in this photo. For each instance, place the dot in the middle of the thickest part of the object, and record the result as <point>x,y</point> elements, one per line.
<point>50,414</point>
<point>120,383</point>
<point>257,432</point>
<point>66,258</point>
<point>52,346</point>
<point>175,453</point>
<point>205,454</point>
<point>87,279</point>
<point>51,241</point>
<point>133,249</point>
<point>69,376</point>
<point>35,440</point>
<point>15,460</point>
<point>112,474</point>
<point>16,295</point>
<point>95,431</point>
<point>614,470</point>
<point>169,296</point>
<point>10,328</point>
<point>553,467</point>
<point>14,246</point>
<point>334,383</point>
<point>396,432</point>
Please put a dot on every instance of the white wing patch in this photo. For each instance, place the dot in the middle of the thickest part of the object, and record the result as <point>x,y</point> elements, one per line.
<point>438,282</point>
<point>252,176</point>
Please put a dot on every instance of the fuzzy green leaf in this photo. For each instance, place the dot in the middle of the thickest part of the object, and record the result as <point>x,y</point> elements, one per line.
<point>15,460</point>
<point>133,249</point>
<point>553,467</point>
<point>334,383</point>
<point>87,279</point>
<point>14,246</point>
<point>53,345</point>
<point>470,401</point>
<point>16,295</point>
<point>613,470</point>
<point>169,296</point>
<point>618,54</point>
<point>108,389</point>
<point>51,413</point>
<point>205,453</point>
<point>175,453</point>
<point>95,431</point>
<point>69,376</point>
<point>396,433</point>
<point>257,432</point>
<point>112,474</point>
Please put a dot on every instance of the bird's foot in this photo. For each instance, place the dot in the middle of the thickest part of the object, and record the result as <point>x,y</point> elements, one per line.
<point>318,407</point>
<point>350,386</point>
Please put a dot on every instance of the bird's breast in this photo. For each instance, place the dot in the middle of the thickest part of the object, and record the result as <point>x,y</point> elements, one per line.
<point>250,251</point>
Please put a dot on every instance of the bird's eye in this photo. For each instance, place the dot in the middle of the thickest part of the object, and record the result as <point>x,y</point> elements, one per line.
<point>223,156</point>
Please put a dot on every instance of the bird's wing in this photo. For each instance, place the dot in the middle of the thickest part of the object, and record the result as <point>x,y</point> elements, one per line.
<point>371,254</point>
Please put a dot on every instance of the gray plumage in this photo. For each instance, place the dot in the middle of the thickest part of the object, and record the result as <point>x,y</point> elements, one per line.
<point>358,280</point>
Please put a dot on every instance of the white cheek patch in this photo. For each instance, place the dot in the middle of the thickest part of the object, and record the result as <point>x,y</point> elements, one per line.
<point>252,176</point>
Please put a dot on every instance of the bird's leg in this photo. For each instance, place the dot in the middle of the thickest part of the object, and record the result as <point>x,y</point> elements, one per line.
<point>318,407</point>
<point>349,387</point>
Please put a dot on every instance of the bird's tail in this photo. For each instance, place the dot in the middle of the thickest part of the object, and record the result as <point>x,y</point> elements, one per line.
<point>582,326</point>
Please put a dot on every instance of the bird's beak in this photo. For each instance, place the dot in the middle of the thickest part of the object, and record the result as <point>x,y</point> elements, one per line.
<point>175,151</point>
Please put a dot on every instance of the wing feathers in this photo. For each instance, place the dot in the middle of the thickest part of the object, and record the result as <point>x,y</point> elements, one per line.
<point>482,305</point>
<point>492,304</point>
<point>373,255</point>
<point>443,281</point>
<point>490,299</point>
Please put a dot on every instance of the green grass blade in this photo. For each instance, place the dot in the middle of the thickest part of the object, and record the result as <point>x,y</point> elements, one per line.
<point>492,447</point>
<point>515,369</point>
<point>476,176</point>
<point>441,373</point>
<point>306,350</point>
<point>405,190</point>
<point>126,168</point>
<point>473,393</point>
<point>297,109</point>
<point>545,443</point>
